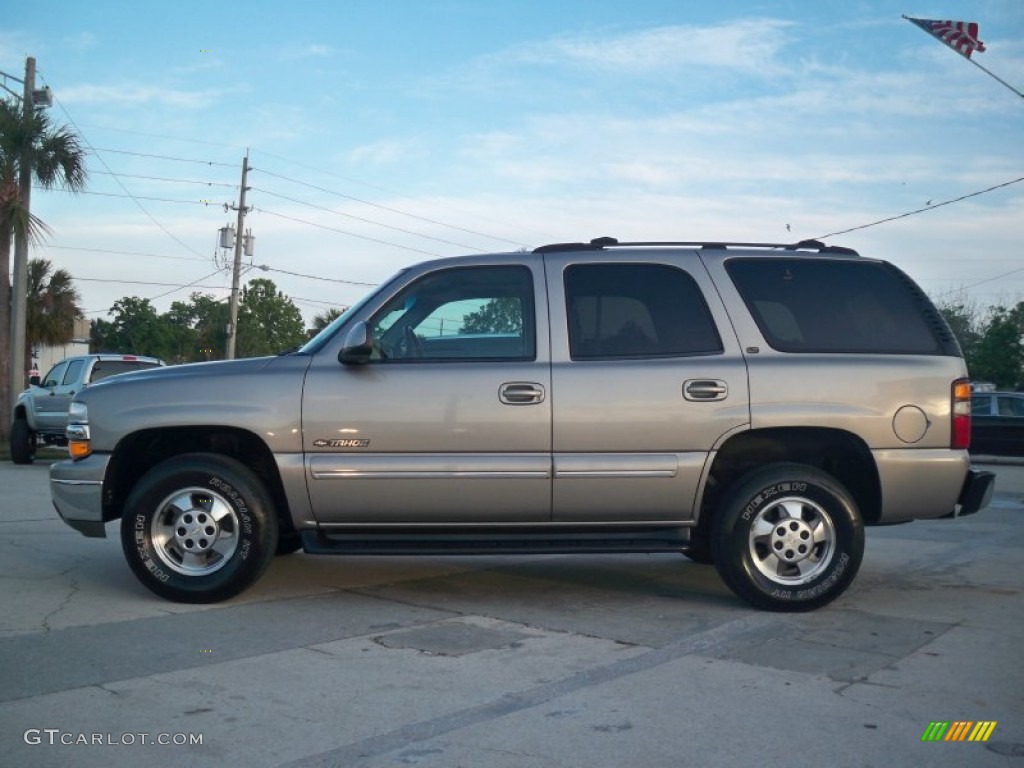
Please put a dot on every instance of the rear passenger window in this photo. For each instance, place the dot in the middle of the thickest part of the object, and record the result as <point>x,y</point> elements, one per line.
<point>636,310</point>
<point>826,305</point>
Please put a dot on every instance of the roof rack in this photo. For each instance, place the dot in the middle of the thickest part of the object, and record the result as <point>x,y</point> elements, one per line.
<point>600,243</point>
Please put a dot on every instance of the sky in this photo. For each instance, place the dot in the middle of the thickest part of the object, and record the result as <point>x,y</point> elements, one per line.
<point>381,133</point>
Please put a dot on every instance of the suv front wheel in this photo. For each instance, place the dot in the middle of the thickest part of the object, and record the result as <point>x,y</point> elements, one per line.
<point>199,528</point>
<point>23,442</point>
<point>789,537</point>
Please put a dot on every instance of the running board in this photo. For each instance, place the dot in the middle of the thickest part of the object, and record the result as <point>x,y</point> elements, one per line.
<point>493,541</point>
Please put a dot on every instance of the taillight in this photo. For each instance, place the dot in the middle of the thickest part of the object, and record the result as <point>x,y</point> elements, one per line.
<point>960,400</point>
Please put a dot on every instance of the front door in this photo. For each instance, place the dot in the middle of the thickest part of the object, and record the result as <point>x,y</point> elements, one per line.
<point>450,421</point>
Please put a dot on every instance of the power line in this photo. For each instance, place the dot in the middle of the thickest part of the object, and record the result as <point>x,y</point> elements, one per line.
<point>138,197</point>
<point>116,178</point>
<point>386,208</point>
<point>123,253</point>
<point>922,210</point>
<point>183,287</point>
<point>265,268</point>
<point>163,178</point>
<point>360,218</point>
<point>140,282</point>
<point>95,150</point>
<point>343,232</point>
<point>175,289</point>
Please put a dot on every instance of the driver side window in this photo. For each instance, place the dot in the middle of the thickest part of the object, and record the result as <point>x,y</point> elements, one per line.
<point>466,313</point>
<point>56,374</point>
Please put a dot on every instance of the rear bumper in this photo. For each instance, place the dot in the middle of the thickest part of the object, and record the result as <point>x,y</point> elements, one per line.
<point>77,491</point>
<point>977,492</point>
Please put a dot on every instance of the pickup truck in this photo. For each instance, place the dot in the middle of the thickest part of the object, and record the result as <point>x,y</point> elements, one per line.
<point>41,411</point>
<point>753,406</point>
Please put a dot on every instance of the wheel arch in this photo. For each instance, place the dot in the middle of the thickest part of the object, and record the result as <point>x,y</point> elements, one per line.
<point>841,454</point>
<point>21,411</point>
<point>137,453</point>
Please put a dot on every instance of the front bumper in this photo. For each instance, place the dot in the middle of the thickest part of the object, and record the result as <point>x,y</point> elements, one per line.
<point>977,491</point>
<point>77,491</point>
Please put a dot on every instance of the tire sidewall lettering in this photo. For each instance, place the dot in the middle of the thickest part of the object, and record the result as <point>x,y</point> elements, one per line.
<point>767,494</point>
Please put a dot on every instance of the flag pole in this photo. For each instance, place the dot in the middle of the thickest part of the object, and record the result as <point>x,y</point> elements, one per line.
<point>983,69</point>
<point>995,77</point>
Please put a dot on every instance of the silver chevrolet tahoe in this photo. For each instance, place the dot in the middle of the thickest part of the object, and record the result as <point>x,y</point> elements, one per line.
<point>750,405</point>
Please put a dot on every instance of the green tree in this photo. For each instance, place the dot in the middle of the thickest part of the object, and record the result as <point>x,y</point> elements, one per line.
<point>137,328</point>
<point>964,321</point>
<point>499,315</point>
<point>999,356</point>
<point>322,319</point>
<point>52,308</point>
<point>198,328</point>
<point>268,322</point>
<point>55,158</point>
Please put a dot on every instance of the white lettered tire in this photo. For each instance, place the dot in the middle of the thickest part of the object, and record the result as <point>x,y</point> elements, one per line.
<point>199,528</point>
<point>788,537</point>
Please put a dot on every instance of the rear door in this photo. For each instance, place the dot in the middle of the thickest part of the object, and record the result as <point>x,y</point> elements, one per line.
<point>647,378</point>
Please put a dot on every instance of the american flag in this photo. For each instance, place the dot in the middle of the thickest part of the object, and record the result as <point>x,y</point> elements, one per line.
<point>961,36</point>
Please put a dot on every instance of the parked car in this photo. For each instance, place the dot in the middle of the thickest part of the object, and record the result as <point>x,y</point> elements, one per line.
<point>751,405</point>
<point>997,423</point>
<point>41,411</point>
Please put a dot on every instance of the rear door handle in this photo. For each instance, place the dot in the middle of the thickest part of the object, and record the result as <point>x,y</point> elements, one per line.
<point>699,390</point>
<point>521,393</point>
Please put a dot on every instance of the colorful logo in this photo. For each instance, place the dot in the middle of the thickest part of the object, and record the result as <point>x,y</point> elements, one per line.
<point>958,730</point>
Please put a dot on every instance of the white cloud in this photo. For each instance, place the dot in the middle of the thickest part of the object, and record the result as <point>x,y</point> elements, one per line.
<point>749,46</point>
<point>386,152</point>
<point>135,93</point>
<point>309,51</point>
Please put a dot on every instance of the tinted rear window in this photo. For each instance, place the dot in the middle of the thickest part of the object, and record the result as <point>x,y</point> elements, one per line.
<point>636,310</point>
<point>824,305</point>
<point>105,368</point>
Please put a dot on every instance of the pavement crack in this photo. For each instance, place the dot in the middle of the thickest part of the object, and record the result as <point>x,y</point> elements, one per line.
<point>72,591</point>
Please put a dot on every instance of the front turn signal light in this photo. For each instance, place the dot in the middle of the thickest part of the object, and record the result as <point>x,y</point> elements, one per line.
<point>79,444</point>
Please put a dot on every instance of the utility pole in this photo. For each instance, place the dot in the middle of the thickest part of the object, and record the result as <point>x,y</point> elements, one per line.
<point>19,290</point>
<point>236,273</point>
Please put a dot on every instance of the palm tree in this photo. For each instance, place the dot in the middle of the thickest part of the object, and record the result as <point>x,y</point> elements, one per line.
<point>53,307</point>
<point>56,159</point>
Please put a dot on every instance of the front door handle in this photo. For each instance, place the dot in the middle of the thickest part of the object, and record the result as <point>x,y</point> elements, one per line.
<point>699,390</point>
<point>521,393</point>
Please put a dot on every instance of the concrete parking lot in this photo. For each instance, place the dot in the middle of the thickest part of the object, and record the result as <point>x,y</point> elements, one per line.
<point>545,661</point>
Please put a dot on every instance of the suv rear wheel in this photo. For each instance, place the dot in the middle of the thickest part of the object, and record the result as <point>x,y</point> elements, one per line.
<point>789,537</point>
<point>199,528</point>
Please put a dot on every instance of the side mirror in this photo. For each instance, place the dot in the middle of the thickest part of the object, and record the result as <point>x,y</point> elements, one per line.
<point>33,381</point>
<point>358,345</point>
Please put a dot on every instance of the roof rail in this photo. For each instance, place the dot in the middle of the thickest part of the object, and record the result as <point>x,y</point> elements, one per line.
<point>601,243</point>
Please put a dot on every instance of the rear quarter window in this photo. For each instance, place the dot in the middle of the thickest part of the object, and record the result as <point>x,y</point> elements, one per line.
<point>842,306</point>
<point>106,368</point>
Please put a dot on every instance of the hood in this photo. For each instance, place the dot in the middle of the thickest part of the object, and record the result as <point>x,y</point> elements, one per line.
<point>215,369</point>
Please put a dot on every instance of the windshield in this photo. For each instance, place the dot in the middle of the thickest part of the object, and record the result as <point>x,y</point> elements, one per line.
<point>318,341</point>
